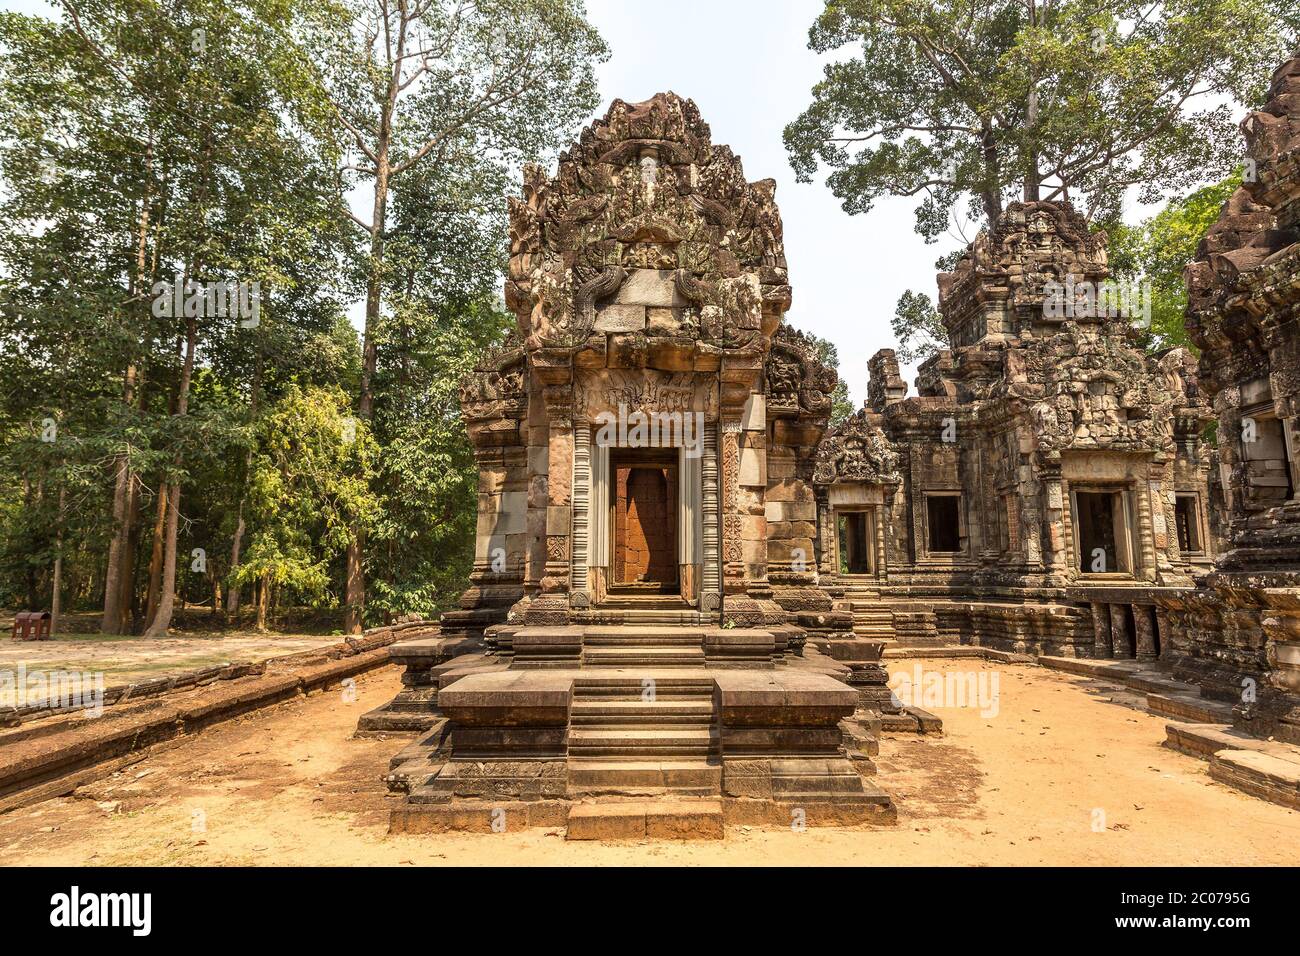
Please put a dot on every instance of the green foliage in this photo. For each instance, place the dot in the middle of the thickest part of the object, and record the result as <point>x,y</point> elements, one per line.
<point>917,327</point>
<point>202,138</point>
<point>967,104</point>
<point>1158,250</point>
<point>309,482</point>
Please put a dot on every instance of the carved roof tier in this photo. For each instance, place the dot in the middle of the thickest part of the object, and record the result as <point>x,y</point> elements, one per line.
<point>645,190</point>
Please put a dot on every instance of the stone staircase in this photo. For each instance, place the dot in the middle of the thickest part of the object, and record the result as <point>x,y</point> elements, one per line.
<point>644,610</point>
<point>872,620</point>
<point>643,645</point>
<point>614,731</point>
<point>644,734</point>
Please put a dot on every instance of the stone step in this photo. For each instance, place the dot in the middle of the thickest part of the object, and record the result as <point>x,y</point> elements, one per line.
<point>639,820</point>
<point>592,687</point>
<point>1115,670</point>
<point>637,656</point>
<point>1262,774</point>
<point>671,710</point>
<point>655,637</point>
<point>1205,740</point>
<point>1154,682</point>
<point>1190,707</point>
<point>613,617</point>
<point>633,741</point>
<point>589,777</point>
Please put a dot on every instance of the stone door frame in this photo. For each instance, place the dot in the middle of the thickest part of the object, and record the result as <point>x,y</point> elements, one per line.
<point>699,529</point>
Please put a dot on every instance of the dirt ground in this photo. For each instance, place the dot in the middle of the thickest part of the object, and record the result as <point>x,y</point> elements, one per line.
<point>123,660</point>
<point>289,785</point>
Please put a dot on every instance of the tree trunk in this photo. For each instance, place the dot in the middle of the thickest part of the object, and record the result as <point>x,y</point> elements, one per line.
<point>356,581</point>
<point>991,195</point>
<point>56,600</point>
<point>1032,175</point>
<point>156,559</point>
<point>237,543</point>
<point>111,621</point>
<point>263,596</point>
<point>166,602</point>
<point>126,578</point>
<point>117,579</point>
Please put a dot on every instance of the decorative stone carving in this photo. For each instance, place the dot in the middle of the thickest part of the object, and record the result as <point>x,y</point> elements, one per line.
<point>857,450</point>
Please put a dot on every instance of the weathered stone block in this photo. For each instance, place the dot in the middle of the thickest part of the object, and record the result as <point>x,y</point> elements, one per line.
<point>654,287</point>
<point>620,318</point>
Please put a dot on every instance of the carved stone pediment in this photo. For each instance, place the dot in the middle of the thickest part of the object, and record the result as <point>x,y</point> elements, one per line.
<point>857,451</point>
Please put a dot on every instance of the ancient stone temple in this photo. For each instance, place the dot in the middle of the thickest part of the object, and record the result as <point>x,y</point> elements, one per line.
<point>1049,479</point>
<point>1239,634</point>
<point>645,582</point>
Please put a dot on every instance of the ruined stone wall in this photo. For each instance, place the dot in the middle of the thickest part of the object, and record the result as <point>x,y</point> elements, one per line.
<point>1239,634</point>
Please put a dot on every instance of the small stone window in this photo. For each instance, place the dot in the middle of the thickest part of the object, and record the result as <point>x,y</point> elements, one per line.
<point>943,523</point>
<point>1187,519</point>
<point>854,542</point>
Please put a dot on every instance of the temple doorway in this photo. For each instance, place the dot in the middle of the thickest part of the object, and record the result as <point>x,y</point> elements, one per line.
<point>644,522</point>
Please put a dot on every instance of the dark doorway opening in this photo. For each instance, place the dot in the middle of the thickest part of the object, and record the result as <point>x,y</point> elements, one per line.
<point>855,545</point>
<point>943,514</point>
<point>644,528</point>
<point>1099,551</point>
<point>1188,522</point>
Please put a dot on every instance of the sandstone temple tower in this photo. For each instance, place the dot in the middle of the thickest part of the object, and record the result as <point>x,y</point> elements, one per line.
<point>1047,482</point>
<point>1240,632</point>
<point>649,282</point>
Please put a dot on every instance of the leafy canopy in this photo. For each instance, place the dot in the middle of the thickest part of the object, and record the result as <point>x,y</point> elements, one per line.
<point>968,103</point>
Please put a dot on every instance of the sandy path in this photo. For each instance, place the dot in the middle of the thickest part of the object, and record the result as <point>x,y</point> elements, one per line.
<point>290,786</point>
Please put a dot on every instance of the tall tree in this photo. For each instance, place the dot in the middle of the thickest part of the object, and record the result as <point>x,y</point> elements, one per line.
<point>979,101</point>
<point>149,141</point>
<point>413,86</point>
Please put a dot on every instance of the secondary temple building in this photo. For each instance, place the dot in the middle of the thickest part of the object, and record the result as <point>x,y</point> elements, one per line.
<point>1047,482</point>
<point>1238,635</point>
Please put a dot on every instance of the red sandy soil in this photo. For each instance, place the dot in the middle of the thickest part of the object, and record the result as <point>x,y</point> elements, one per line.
<point>289,785</point>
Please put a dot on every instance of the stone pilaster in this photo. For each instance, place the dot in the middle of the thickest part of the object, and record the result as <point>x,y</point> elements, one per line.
<point>1121,639</point>
<point>1144,637</point>
<point>733,564</point>
<point>1101,638</point>
<point>711,572</point>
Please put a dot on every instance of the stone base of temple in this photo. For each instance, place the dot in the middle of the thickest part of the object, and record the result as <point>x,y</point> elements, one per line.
<point>636,730</point>
<point>1035,626</point>
<point>1238,638</point>
<point>639,818</point>
<point>424,662</point>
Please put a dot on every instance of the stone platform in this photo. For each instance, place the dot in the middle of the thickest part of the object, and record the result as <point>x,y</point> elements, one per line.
<point>704,726</point>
